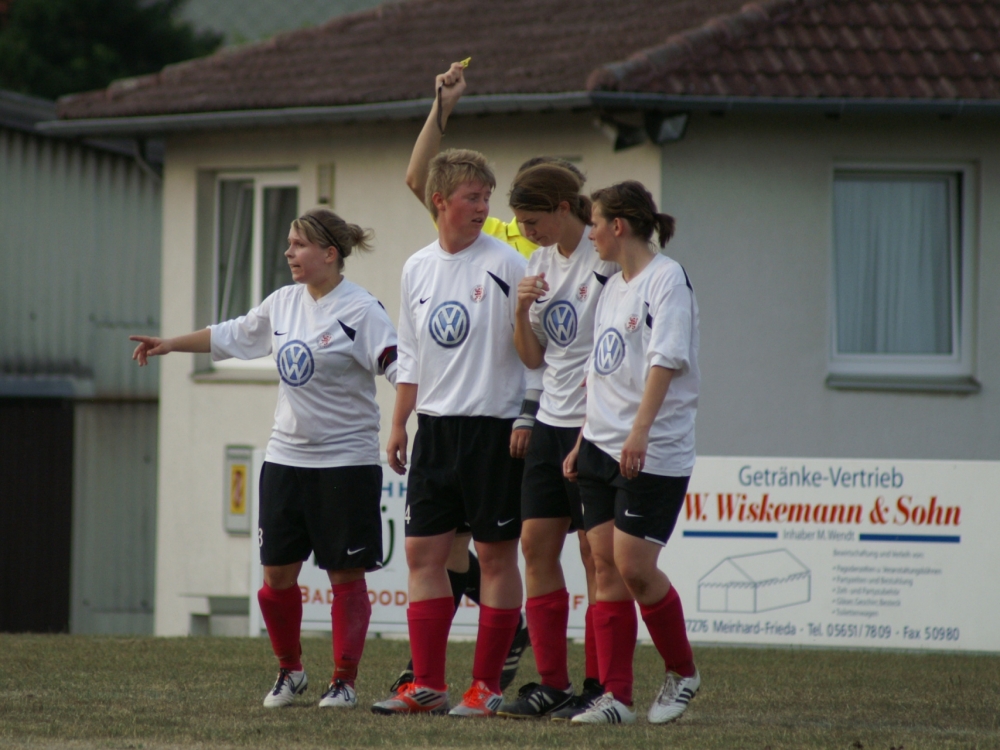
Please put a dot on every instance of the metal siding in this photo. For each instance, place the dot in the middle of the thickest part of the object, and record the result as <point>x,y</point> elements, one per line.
<point>79,263</point>
<point>114,518</point>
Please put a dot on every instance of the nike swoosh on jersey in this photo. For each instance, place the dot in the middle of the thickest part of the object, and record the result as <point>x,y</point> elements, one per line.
<point>424,300</point>
<point>504,523</point>
<point>632,515</point>
<point>280,333</point>
<point>355,551</point>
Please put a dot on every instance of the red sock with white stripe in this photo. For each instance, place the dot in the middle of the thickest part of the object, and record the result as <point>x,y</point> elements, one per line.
<point>496,632</point>
<point>350,613</point>
<point>665,621</point>
<point>548,616</point>
<point>590,646</point>
<point>282,611</point>
<point>616,627</point>
<point>430,621</point>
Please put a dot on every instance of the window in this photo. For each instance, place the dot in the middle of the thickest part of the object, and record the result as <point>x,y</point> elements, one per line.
<point>253,214</point>
<point>901,312</point>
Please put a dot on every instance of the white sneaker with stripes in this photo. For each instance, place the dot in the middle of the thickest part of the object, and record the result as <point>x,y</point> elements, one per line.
<point>286,687</point>
<point>606,710</point>
<point>674,697</point>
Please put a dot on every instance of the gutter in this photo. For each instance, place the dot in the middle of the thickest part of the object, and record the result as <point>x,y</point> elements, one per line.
<point>261,118</point>
<point>824,105</point>
<point>158,125</point>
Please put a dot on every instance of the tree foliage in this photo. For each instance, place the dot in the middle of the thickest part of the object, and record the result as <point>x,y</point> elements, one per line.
<point>53,47</point>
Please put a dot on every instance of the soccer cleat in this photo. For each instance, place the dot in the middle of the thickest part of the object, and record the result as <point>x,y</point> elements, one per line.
<point>592,690</point>
<point>478,700</point>
<point>606,710</point>
<point>517,646</point>
<point>339,695</point>
<point>404,677</point>
<point>674,697</point>
<point>534,700</point>
<point>286,687</point>
<point>413,699</point>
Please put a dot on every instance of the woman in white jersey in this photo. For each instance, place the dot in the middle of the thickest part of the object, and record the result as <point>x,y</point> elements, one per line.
<point>556,302</point>
<point>321,485</point>
<point>636,450</point>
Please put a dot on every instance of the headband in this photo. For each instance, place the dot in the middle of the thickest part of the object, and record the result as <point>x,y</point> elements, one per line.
<point>324,232</point>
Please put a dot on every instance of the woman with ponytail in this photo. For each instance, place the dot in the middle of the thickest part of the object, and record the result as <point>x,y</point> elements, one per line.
<point>321,484</point>
<point>636,450</point>
<point>553,331</point>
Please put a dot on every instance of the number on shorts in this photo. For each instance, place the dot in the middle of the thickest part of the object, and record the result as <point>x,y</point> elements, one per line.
<point>260,537</point>
<point>406,514</point>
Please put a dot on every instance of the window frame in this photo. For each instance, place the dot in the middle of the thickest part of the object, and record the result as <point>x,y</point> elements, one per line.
<point>915,371</point>
<point>262,179</point>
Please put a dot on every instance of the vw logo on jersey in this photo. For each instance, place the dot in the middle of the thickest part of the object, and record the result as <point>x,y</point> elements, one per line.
<point>295,363</point>
<point>449,324</point>
<point>609,352</point>
<point>560,322</point>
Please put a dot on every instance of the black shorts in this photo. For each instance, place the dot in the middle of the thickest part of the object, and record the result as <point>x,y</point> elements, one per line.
<point>334,512</point>
<point>545,492</point>
<point>462,477</point>
<point>646,507</point>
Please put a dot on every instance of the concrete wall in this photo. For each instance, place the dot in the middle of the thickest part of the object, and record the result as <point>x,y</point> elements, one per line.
<point>753,200</point>
<point>196,559</point>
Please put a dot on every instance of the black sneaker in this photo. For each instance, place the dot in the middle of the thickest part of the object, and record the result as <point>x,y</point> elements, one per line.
<point>517,647</point>
<point>404,677</point>
<point>592,690</point>
<point>534,700</point>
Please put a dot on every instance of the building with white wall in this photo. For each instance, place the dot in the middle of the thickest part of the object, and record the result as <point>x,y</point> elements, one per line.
<point>833,168</point>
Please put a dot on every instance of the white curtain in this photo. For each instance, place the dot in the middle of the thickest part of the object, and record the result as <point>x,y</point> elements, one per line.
<point>892,264</point>
<point>234,270</point>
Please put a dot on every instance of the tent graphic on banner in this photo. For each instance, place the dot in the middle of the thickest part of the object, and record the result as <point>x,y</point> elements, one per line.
<point>755,583</point>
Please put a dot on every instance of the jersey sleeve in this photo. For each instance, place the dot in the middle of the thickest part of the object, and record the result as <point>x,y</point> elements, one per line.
<point>534,316</point>
<point>670,340</point>
<point>246,337</point>
<point>375,346</point>
<point>406,361</point>
<point>516,274</point>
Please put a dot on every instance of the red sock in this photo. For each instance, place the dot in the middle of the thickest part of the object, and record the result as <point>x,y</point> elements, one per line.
<point>496,633</point>
<point>430,621</point>
<point>548,616</point>
<point>350,612</point>
<point>282,611</point>
<point>590,645</point>
<point>616,628</point>
<point>665,621</point>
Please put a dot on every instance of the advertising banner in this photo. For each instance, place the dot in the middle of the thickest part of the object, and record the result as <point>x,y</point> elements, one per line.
<point>822,552</point>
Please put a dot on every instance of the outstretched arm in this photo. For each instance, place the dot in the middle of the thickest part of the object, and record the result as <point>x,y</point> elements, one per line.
<point>452,85</point>
<point>199,342</point>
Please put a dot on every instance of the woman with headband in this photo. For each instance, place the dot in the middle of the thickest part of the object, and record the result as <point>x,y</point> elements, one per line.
<point>321,484</point>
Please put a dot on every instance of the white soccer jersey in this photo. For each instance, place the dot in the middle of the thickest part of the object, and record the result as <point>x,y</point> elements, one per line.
<point>563,321</point>
<point>456,330</point>
<point>650,320</point>
<point>328,353</point>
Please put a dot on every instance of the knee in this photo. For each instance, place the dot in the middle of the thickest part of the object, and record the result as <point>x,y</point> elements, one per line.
<point>635,577</point>
<point>420,557</point>
<point>497,560</point>
<point>535,550</point>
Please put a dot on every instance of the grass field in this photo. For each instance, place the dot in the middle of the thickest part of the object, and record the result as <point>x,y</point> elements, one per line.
<point>156,693</point>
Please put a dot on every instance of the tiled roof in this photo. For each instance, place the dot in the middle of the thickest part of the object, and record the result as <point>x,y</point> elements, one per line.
<point>855,49</point>
<point>392,53</point>
<point>896,49</point>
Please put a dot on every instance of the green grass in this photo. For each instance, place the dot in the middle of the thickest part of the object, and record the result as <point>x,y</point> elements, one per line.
<point>157,693</point>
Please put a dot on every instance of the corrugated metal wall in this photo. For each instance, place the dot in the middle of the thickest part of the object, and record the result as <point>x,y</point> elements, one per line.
<point>79,271</point>
<point>114,519</point>
<point>80,250</point>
